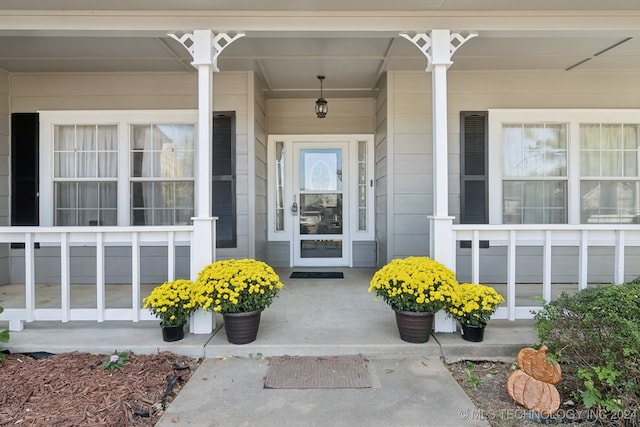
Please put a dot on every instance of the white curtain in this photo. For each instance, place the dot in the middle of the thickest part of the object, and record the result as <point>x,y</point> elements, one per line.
<point>83,157</point>
<point>609,151</point>
<point>161,153</point>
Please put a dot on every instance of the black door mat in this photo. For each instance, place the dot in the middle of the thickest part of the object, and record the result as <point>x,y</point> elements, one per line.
<point>301,372</point>
<point>317,275</point>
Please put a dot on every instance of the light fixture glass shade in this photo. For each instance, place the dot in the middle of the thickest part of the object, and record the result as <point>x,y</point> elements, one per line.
<point>321,108</point>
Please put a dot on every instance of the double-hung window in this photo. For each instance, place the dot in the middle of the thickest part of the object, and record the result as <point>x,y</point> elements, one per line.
<point>564,166</point>
<point>107,168</point>
<point>609,178</point>
<point>85,174</point>
<point>534,173</point>
<point>162,174</point>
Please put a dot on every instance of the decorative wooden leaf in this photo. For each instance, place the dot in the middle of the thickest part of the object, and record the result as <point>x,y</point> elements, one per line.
<point>533,394</point>
<point>535,363</point>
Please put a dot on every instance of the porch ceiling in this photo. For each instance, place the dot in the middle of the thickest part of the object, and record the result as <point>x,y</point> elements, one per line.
<point>352,43</point>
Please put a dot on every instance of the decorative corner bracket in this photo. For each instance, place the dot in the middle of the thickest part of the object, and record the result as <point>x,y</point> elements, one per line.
<point>426,44</point>
<point>204,46</point>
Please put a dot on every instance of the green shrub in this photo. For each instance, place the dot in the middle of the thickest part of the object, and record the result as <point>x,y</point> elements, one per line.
<point>595,333</point>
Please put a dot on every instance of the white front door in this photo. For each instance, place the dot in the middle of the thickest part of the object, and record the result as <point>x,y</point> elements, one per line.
<point>320,183</point>
<point>320,198</point>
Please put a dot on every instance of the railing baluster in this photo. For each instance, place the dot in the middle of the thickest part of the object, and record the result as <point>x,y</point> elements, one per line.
<point>583,258</point>
<point>135,276</point>
<point>65,278</point>
<point>29,277</point>
<point>171,256</point>
<point>475,257</point>
<point>511,275</point>
<point>100,288</point>
<point>546,280</point>
<point>618,275</point>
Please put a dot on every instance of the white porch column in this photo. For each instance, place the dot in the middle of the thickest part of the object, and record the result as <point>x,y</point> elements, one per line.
<point>205,47</point>
<point>438,48</point>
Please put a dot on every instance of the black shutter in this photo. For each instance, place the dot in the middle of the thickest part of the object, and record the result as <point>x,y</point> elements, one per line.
<point>473,168</point>
<point>224,179</point>
<point>24,168</point>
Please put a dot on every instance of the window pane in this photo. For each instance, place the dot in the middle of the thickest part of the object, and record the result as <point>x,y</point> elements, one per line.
<point>140,137</point>
<point>108,164</point>
<point>108,195</point>
<point>631,163</point>
<point>64,165</point>
<point>165,151</point>
<point>611,137</point>
<point>590,136</point>
<point>64,138</point>
<point>534,149</point>
<point>107,137</point>
<point>139,192</point>
<point>161,203</point>
<point>183,216</point>
<point>534,202</point>
<point>321,169</point>
<point>109,217</point>
<point>164,195</point>
<point>86,138</point>
<point>184,195</point>
<point>66,195</point>
<point>512,150</point>
<point>590,163</point>
<point>66,217</point>
<point>631,137</point>
<point>87,166</point>
<point>88,195</point>
<point>279,202</point>
<point>609,201</point>
<point>83,203</point>
<point>611,163</point>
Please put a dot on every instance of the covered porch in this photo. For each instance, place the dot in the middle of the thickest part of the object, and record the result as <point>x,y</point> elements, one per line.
<point>527,262</point>
<point>310,317</point>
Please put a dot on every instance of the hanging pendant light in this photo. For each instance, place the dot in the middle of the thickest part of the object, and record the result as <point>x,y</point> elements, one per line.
<point>321,103</point>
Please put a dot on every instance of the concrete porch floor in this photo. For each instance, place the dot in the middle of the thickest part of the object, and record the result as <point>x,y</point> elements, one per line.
<point>319,317</point>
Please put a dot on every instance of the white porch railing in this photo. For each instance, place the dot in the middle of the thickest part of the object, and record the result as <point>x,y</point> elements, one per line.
<point>618,237</point>
<point>64,238</point>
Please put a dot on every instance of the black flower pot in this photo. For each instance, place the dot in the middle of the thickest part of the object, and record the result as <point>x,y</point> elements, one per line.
<point>414,327</point>
<point>172,333</point>
<point>472,333</point>
<point>242,328</point>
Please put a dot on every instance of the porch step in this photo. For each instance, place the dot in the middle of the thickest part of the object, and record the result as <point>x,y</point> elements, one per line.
<point>503,339</point>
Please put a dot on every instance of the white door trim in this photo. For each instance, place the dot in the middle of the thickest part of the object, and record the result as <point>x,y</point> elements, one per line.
<point>287,233</point>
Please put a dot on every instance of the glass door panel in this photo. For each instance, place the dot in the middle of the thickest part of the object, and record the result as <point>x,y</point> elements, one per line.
<point>320,228</point>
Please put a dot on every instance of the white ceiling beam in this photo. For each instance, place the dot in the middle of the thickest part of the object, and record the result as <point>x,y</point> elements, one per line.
<point>66,20</point>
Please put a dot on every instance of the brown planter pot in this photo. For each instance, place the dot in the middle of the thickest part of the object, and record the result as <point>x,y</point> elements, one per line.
<point>242,328</point>
<point>414,327</point>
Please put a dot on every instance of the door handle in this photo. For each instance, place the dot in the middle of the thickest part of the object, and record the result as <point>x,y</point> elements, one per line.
<point>294,206</point>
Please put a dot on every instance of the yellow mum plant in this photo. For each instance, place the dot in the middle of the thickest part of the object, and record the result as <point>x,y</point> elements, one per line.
<point>417,284</point>
<point>473,304</point>
<point>171,302</point>
<point>236,286</point>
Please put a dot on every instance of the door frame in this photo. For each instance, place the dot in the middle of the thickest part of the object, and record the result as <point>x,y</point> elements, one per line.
<point>283,212</point>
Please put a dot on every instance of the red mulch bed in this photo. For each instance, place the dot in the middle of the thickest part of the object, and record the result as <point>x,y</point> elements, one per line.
<point>72,389</point>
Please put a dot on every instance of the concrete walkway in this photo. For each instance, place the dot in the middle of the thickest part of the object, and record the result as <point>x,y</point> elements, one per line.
<point>319,317</point>
<point>414,391</point>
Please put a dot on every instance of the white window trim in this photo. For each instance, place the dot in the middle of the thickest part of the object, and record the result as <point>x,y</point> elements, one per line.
<point>121,118</point>
<point>573,118</point>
